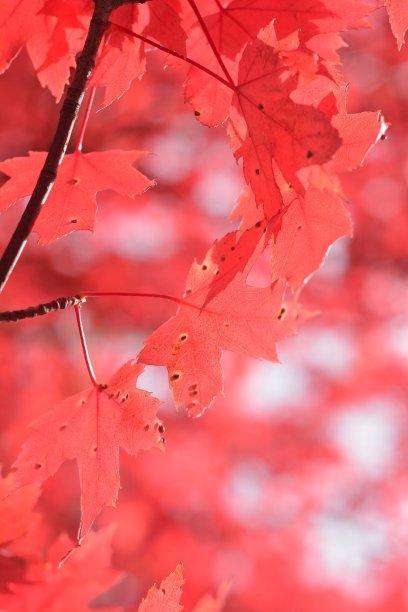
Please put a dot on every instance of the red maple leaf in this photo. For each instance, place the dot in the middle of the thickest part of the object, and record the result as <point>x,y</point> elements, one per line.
<point>398,14</point>
<point>71,204</point>
<point>242,318</point>
<point>90,427</point>
<point>16,23</point>
<point>121,61</point>
<point>267,127</point>
<point>358,132</point>
<point>309,226</point>
<point>242,19</point>
<point>58,33</point>
<point>165,598</point>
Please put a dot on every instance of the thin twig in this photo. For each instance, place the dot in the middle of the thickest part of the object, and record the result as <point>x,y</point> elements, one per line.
<point>84,346</point>
<point>85,120</point>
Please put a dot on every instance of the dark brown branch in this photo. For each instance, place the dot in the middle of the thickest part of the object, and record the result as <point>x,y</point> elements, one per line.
<point>41,309</point>
<point>68,114</point>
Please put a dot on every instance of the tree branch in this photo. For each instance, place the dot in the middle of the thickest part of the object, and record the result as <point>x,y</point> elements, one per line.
<point>41,309</point>
<point>68,114</point>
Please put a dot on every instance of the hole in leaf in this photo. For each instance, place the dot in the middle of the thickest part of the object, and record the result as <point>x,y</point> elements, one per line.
<point>257,171</point>
<point>197,113</point>
<point>204,267</point>
<point>183,337</point>
<point>309,154</point>
<point>175,376</point>
<point>281,313</point>
<point>261,106</point>
<point>73,181</point>
<point>258,224</point>
<point>161,428</point>
<point>74,221</point>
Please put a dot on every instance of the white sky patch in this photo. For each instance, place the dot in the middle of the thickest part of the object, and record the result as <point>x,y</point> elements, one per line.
<point>347,552</point>
<point>268,386</point>
<point>367,434</point>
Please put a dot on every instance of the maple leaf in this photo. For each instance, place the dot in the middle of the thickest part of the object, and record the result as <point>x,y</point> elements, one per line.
<point>245,18</point>
<point>358,132</point>
<point>398,15</point>
<point>231,255</point>
<point>167,596</point>
<point>73,585</point>
<point>165,25</point>
<point>58,34</point>
<point>16,21</point>
<point>242,318</point>
<point>309,226</point>
<point>159,21</point>
<point>121,61</point>
<point>90,427</point>
<point>71,204</point>
<point>267,127</point>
